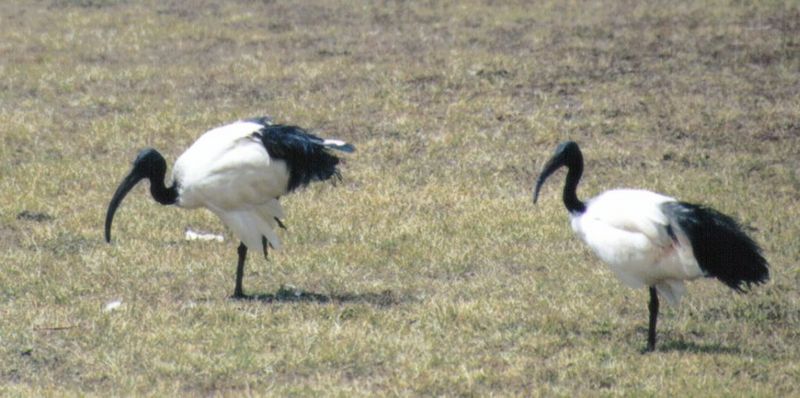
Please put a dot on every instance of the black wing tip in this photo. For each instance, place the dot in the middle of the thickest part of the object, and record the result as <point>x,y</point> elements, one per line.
<point>721,247</point>
<point>309,158</point>
<point>300,136</point>
<point>745,286</point>
<point>752,273</point>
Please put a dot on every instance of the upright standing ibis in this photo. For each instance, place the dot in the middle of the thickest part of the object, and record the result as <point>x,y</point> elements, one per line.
<point>238,171</point>
<point>653,240</point>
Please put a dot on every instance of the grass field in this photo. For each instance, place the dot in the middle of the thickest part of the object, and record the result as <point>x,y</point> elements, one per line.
<point>427,270</point>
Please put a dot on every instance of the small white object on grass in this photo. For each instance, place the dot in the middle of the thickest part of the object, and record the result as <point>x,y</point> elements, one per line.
<point>204,236</point>
<point>112,305</point>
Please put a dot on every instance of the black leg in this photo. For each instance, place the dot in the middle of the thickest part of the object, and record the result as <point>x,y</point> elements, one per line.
<point>238,291</point>
<point>651,333</point>
<point>264,245</point>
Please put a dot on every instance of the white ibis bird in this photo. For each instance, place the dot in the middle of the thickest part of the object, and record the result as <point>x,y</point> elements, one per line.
<point>238,171</point>
<point>653,240</point>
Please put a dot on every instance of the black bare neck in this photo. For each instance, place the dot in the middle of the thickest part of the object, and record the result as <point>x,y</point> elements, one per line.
<point>163,194</point>
<point>151,164</point>
<point>574,173</point>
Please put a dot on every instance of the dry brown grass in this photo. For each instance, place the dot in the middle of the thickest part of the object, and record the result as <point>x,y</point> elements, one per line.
<point>427,271</point>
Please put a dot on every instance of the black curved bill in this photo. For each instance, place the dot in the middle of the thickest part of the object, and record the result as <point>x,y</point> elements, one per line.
<point>127,184</point>
<point>552,165</point>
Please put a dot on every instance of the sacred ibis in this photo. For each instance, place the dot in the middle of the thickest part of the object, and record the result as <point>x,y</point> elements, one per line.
<point>238,171</point>
<point>656,241</point>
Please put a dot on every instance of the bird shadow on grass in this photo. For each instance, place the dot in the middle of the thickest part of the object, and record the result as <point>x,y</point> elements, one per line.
<point>691,347</point>
<point>286,294</point>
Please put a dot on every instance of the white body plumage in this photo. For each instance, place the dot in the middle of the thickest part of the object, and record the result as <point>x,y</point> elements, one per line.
<point>627,229</point>
<point>228,171</point>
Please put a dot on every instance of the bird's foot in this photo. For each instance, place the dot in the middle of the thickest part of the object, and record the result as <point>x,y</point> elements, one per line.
<point>240,296</point>
<point>649,349</point>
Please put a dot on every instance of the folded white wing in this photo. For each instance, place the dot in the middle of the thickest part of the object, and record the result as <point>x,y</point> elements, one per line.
<point>229,171</point>
<point>629,231</point>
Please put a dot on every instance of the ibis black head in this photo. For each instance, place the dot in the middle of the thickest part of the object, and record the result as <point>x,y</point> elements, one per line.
<point>567,154</point>
<point>151,165</point>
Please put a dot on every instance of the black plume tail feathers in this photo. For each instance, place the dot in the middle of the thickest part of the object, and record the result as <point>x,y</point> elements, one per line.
<point>308,157</point>
<point>722,249</point>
